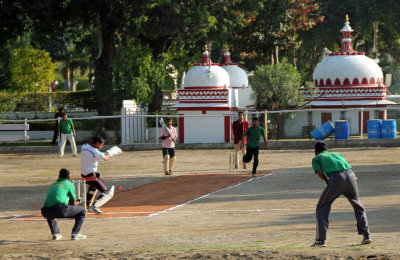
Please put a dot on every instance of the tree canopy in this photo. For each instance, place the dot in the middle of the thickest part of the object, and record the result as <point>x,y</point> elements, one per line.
<point>31,69</point>
<point>276,85</point>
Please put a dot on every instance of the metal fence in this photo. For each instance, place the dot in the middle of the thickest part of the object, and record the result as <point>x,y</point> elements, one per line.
<point>143,128</point>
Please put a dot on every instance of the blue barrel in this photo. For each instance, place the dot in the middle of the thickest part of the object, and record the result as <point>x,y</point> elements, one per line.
<point>389,129</point>
<point>374,128</point>
<point>342,130</point>
<point>323,131</point>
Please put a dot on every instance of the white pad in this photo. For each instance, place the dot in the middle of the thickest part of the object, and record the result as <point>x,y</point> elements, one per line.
<point>115,150</point>
<point>105,198</point>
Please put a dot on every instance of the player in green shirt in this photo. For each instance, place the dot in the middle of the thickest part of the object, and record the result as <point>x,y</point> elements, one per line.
<point>341,180</point>
<point>60,194</point>
<point>66,130</point>
<point>253,133</point>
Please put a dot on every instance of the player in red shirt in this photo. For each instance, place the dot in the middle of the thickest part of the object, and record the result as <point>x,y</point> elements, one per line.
<point>238,128</point>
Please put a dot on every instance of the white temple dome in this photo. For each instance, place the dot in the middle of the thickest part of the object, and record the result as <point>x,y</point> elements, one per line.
<point>206,75</point>
<point>238,76</point>
<point>347,70</point>
<point>347,67</point>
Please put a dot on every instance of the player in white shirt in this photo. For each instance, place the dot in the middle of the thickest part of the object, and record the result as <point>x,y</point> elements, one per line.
<point>90,156</point>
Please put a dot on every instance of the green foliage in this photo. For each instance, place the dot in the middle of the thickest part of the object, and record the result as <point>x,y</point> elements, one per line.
<point>132,69</point>
<point>7,102</point>
<point>276,84</point>
<point>26,102</point>
<point>30,66</point>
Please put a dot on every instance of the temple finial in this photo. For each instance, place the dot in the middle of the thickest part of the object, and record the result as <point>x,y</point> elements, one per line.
<point>347,18</point>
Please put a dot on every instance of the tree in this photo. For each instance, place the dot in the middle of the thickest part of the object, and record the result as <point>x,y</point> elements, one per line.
<point>268,26</point>
<point>31,69</point>
<point>276,85</point>
<point>132,69</point>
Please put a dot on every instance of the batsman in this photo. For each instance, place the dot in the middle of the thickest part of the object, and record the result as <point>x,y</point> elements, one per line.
<point>341,180</point>
<point>90,156</point>
<point>168,137</point>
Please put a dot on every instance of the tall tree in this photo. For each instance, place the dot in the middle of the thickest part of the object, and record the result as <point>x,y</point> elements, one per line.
<point>31,70</point>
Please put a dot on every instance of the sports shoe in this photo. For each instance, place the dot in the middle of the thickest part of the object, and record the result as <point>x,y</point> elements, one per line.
<point>77,236</point>
<point>95,210</point>
<point>168,173</point>
<point>57,236</point>
<point>366,240</point>
<point>254,174</point>
<point>319,243</point>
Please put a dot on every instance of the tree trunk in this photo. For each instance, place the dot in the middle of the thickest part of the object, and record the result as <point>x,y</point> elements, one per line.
<point>156,102</point>
<point>103,74</point>
<point>67,75</point>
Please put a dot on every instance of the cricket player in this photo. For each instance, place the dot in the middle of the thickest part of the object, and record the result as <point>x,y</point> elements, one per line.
<point>66,130</point>
<point>168,146</point>
<point>90,156</point>
<point>253,143</point>
<point>341,180</point>
<point>238,128</point>
<point>56,206</point>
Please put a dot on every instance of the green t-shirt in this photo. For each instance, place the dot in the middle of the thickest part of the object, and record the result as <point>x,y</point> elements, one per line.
<point>253,136</point>
<point>66,126</point>
<point>60,192</point>
<point>330,162</point>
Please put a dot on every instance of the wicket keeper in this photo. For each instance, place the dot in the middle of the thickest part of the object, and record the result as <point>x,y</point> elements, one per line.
<point>56,206</point>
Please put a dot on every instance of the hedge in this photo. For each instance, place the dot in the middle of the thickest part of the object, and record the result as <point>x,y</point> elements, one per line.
<point>23,103</point>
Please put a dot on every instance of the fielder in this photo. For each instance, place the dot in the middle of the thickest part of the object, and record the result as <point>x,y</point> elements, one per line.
<point>90,156</point>
<point>56,206</point>
<point>253,143</point>
<point>341,180</point>
<point>168,136</point>
<point>238,128</point>
<point>66,130</point>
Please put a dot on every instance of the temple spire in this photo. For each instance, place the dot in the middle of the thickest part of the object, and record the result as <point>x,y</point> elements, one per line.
<point>347,45</point>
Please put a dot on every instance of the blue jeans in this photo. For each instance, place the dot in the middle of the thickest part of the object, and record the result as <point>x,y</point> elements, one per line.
<point>64,211</point>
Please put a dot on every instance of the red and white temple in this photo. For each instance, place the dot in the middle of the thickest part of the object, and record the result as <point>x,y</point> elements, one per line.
<point>347,79</point>
<point>206,90</point>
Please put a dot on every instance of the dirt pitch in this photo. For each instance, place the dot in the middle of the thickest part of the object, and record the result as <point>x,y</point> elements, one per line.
<point>271,217</point>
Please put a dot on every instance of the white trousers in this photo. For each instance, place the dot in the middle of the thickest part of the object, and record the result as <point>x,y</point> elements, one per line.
<point>71,140</point>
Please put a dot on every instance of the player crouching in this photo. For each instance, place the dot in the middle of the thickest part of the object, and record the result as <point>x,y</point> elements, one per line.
<point>90,156</point>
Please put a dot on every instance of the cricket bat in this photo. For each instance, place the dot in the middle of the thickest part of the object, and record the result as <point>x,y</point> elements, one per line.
<point>115,150</point>
<point>162,123</point>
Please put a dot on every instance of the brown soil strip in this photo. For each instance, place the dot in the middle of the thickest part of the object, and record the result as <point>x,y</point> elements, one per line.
<point>156,197</point>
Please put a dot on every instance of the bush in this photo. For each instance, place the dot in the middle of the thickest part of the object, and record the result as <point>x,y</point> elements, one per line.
<point>7,102</point>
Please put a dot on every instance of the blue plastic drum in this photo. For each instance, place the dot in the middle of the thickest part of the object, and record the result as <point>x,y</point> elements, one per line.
<point>323,131</point>
<point>342,130</point>
<point>374,129</point>
<point>389,129</point>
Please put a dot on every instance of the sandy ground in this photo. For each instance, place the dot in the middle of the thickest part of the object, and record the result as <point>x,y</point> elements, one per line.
<point>271,217</point>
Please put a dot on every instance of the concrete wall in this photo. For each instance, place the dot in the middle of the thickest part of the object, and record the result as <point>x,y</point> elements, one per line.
<point>204,129</point>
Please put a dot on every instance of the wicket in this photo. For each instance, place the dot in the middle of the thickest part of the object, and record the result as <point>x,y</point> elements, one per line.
<point>233,161</point>
<point>82,196</point>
